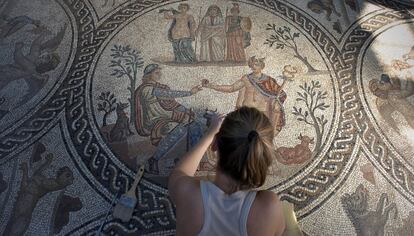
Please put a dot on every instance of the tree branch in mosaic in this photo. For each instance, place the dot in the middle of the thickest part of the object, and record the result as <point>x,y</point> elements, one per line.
<point>126,63</point>
<point>107,105</point>
<point>282,37</point>
<point>314,100</point>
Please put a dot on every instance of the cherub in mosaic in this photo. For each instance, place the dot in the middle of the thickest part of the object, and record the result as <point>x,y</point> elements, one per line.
<point>33,55</point>
<point>33,66</point>
<point>32,189</point>
<point>10,25</point>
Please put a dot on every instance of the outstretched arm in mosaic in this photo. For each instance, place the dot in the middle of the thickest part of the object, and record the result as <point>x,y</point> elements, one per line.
<point>236,86</point>
<point>168,93</point>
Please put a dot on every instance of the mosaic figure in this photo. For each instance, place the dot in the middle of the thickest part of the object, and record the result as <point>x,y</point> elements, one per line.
<point>181,33</point>
<point>31,191</point>
<point>260,90</point>
<point>367,222</point>
<point>321,6</point>
<point>212,36</point>
<point>161,117</point>
<point>33,66</point>
<point>10,25</point>
<point>237,34</point>
<point>392,93</point>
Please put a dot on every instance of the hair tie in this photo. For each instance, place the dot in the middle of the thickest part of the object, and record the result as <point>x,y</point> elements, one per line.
<point>252,135</point>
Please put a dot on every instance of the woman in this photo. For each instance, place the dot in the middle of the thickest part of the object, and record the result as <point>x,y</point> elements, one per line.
<point>229,205</point>
<point>235,36</point>
<point>212,35</point>
<point>181,34</point>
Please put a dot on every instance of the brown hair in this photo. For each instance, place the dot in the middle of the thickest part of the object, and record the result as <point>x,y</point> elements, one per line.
<point>245,147</point>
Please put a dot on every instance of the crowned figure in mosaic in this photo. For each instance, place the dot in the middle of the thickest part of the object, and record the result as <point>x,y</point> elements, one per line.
<point>160,117</point>
<point>260,90</point>
<point>212,36</point>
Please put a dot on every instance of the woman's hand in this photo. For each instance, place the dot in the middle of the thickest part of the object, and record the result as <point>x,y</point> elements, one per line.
<point>215,123</point>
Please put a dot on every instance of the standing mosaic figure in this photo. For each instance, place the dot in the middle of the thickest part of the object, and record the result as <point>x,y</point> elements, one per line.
<point>260,91</point>
<point>32,190</point>
<point>238,35</point>
<point>160,116</point>
<point>211,30</point>
<point>181,33</point>
<point>34,65</point>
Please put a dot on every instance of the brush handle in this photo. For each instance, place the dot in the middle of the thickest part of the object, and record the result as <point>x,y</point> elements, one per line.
<point>138,176</point>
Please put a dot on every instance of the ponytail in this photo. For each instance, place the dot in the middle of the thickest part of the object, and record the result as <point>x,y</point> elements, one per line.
<point>245,145</point>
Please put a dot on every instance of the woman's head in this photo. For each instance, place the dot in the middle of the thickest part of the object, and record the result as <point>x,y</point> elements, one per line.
<point>245,147</point>
<point>214,10</point>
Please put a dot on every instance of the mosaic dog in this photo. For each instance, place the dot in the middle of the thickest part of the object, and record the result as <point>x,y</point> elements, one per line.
<point>366,222</point>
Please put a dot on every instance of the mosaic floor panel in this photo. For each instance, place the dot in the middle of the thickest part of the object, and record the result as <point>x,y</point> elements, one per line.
<point>92,89</point>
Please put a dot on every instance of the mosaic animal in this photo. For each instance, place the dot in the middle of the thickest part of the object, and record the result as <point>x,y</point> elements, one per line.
<point>121,130</point>
<point>31,191</point>
<point>366,222</point>
<point>33,66</point>
<point>320,6</point>
<point>295,155</point>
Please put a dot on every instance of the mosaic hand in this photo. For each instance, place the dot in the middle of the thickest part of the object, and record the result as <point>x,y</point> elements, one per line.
<point>196,89</point>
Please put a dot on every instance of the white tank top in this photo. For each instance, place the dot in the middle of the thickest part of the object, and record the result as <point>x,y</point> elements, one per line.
<point>225,214</point>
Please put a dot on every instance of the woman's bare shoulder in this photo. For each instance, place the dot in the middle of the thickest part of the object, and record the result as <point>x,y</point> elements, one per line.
<point>268,199</point>
<point>267,207</point>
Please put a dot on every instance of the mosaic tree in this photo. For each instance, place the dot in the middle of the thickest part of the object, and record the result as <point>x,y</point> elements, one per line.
<point>126,63</point>
<point>282,37</point>
<point>106,105</point>
<point>314,100</point>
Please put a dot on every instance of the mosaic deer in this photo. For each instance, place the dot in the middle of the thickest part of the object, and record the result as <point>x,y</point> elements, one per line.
<point>295,155</point>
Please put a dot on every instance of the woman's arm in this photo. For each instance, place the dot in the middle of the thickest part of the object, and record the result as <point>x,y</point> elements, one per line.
<point>181,175</point>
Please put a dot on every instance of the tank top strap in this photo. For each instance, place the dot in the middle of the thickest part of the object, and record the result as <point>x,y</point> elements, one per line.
<point>206,210</point>
<point>248,201</point>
